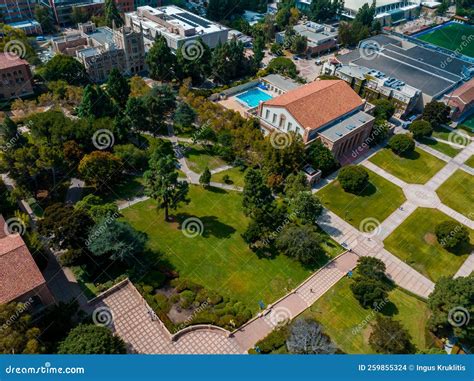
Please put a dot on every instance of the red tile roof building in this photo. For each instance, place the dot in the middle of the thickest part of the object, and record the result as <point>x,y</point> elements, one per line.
<point>15,77</point>
<point>20,278</point>
<point>325,110</point>
<point>461,100</point>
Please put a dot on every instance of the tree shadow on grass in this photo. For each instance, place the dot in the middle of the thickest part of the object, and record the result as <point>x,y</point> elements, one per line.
<point>414,155</point>
<point>462,249</point>
<point>368,190</point>
<point>389,309</point>
<point>207,226</point>
<point>216,190</point>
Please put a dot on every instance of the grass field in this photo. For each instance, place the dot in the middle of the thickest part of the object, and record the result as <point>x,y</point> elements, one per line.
<point>378,200</point>
<point>470,161</point>
<point>452,37</point>
<point>235,175</point>
<point>198,158</point>
<point>445,148</point>
<point>458,193</point>
<point>468,125</point>
<point>344,319</point>
<point>417,168</point>
<point>415,242</point>
<point>219,259</point>
<point>443,133</point>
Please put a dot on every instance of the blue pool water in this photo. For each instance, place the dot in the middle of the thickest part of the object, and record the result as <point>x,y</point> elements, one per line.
<point>253,97</point>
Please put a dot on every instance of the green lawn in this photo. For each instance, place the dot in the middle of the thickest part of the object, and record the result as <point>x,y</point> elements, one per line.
<point>414,241</point>
<point>470,161</point>
<point>199,157</point>
<point>348,324</point>
<point>378,200</point>
<point>445,148</point>
<point>417,168</point>
<point>445,134</point>
<point>219,259</point>
<point>452,37</point>
<point>236,176</point>
<point>458,193</point>
<point>130,187</point>
<point>468,126</point>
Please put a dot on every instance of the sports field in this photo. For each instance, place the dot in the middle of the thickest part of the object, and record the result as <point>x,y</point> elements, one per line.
<point>455,37</point>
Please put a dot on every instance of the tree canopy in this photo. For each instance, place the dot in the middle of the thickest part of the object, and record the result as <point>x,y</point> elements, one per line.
<point>91,339</point>
<point>66,68</point>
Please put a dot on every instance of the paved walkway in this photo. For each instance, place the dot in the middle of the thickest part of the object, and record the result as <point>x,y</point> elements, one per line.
<point>133,320</point>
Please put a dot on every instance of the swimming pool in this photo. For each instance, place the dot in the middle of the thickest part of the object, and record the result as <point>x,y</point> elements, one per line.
<point>253,97</point>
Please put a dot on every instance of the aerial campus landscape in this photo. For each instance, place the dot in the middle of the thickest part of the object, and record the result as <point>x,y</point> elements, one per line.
<point>223,177</point>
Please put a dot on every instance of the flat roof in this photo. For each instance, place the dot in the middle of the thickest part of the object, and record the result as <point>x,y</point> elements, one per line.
<point>102,35</point>
<point>283,83</point>
<point>345,126</point>
<point>315,32</point>
<point>357,4</point>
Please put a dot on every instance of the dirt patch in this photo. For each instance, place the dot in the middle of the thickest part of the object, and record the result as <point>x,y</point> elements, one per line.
<point>430,238</point>
<point>167,291</point>
<point>178,315</point>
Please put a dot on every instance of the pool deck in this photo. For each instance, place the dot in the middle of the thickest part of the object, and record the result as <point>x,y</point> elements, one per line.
<point>233,103</point>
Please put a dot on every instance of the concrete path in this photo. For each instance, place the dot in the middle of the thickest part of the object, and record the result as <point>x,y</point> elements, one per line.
<point>221,169</point>
<point>432,151</point>
<point>74,192</point>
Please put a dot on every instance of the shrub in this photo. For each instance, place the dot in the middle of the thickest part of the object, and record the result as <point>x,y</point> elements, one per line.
<point>402,144</point>
<point>91,339</point>
<point>226,179</point>
<point>450,234</point>
<point>273,341</point>
<point>71,257</point>
<point>421,129</point>
<point>353,178</point>
<point>187,298</point>
<point>369,292</point>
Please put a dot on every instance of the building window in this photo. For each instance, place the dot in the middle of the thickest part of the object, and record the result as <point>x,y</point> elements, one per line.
<point>274,118</point>
<point>267,114</point>
<point>297,130</point>
<point>289,126</point>
<point>282,121</point>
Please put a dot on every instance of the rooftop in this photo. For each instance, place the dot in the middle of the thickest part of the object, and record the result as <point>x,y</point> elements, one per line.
<point>316,33</point>
<point>343,127</point>
<point>18,270</point>
<point>318,103</point>
<point>283,83</point>
<point>8,60</point>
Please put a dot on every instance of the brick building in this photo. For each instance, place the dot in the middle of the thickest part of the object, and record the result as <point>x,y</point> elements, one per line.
<point>15,77</point>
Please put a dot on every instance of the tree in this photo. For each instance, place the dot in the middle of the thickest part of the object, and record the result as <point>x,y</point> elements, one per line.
<point>390,337</point>
<point>65,227</point>
<point>159,104</point>
<point>118,87</point>
<point>160,60</point>
<point>402,144</point>
<point>258,53</point>
<point>7,202</point>
<point>18,333</point>
<point>372,268</point>
<point>96,208</point>
<point>65,68</point>
<point>283,66</point>
<point>161,182</point>
<point>379,133</point>
<point>256,194</point>
<point>296,183</point>
<point>369,292</point>
<point>452,308</point>
<point>307,337</point>
<point>451,234</point>
<point>205,178</point>
<point>115,240</point>
<point>384,109</point>
<point>322,158</point>
<point>437,113</point>
<point>101,169</point>
<point>91,339</point>
<point>136,114</point>
<point>353,178</point>
<point>350,33</point>
<point>42,16</point>
<point>95,103</point>
<point>420,129</point>
<point>276,49</point>
<point>193,60</point>
<point>324,10</point>
<point>229,62</point>
<point>307,207</point>
<point>302,243</point>
<point>133,158</point>
<point>366,14</point>
<point>184,116</point>
<point>14,37</point>
<point>79,15</point>
<point>112,14</point>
